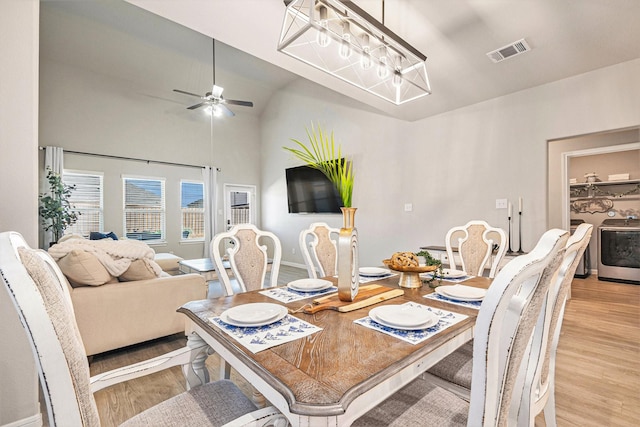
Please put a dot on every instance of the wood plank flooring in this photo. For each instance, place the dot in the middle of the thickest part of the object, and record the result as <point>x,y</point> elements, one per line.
<point>597,376</point>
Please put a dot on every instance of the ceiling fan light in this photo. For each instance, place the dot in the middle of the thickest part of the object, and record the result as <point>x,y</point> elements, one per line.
<point>216,111</point>
<point>309,25</point>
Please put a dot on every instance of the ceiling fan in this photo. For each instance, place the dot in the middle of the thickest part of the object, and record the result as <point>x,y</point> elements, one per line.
<point>214,99</point>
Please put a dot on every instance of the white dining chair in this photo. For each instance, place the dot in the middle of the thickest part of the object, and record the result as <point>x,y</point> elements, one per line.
<point>247,257</point>
<point>475,242</point>
<point>37,291</point>
<point>539,389</point>
<point>319,247</point>
<point>455,371</point>
<point>503,332</point>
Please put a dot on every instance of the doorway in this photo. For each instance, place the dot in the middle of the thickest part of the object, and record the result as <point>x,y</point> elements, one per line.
<point>239,205</point>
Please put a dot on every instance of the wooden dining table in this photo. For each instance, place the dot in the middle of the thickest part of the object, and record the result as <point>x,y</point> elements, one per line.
<point>333,376</point>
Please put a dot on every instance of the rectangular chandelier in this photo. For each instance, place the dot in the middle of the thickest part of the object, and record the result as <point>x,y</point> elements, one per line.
<point>343,40</point>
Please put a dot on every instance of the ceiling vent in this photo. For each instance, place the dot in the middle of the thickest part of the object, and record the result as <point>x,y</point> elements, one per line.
<point>509,51</point>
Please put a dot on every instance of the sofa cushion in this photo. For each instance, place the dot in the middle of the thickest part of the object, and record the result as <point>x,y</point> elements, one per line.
<point>83,269</point>
<point>140,269</point>
<point>168,262</point>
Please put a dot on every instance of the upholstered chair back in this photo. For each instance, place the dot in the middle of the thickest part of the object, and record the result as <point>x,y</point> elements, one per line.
<point>318,245</point>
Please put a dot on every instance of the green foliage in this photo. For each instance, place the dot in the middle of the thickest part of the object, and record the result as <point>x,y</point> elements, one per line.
<point>429,260</point>
<point>56,211</point>
<point>322,155</point>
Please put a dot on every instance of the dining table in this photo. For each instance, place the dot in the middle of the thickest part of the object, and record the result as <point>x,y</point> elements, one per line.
<point>342,368</point>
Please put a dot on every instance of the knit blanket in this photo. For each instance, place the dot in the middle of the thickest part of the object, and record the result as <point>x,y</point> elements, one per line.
<point>115,255</point>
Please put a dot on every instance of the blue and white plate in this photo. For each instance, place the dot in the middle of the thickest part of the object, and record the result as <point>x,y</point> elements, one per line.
<point>254,315</point>
<point>405,317</point>
<point>309,285</point>
<point>461,292</point>
<point>373,271</point>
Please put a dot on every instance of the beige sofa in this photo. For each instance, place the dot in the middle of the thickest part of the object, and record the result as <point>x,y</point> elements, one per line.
<point>114,312</point>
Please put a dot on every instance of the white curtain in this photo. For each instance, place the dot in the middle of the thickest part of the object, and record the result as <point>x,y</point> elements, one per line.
<point>210,177</point>
<point>53,159</point>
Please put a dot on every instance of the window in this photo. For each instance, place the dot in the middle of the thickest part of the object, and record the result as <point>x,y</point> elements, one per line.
<point>86,199</point>
<point>144,208</point>
<point>192,208</point>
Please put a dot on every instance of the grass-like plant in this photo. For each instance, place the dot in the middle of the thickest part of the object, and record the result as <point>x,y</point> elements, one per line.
<point>323,155</point>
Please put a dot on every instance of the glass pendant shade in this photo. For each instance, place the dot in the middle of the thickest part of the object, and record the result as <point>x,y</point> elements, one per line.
<point>359,43</point>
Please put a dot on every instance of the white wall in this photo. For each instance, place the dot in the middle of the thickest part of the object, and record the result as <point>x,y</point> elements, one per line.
<point>451,167</point>
<point>18,190</point>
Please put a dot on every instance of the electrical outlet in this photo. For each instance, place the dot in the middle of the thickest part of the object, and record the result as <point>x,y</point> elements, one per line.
<point>293,251</point>
<point>501,203</point>
<point>408,207</point>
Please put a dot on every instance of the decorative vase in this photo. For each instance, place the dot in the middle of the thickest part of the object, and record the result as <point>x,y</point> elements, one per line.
<point>348,269</point>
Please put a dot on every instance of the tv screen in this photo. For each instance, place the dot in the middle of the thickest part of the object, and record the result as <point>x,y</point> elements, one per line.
<point>310,191</point>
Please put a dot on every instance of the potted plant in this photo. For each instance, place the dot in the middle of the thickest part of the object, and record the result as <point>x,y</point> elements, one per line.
<point>56,211</point>
<point>322,155</point>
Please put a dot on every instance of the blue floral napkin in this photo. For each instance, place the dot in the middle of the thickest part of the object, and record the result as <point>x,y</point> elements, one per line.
<point>261,338</point>
<point>287,295</point>
<point>471,304</point>
<point>447,319</point>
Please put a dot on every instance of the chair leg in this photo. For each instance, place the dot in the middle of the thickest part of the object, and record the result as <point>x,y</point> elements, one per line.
<point>550,408</point>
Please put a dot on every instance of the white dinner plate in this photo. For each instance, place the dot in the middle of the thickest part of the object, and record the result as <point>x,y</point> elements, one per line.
<point>453,274</point>
<point>309,285</point>
<point>256,314</point>
<point>373,271</point>
<point>403,317</point>
<point>461,292</point>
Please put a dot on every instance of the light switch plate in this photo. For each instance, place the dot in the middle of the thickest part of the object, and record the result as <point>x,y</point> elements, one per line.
<point>408,207</point>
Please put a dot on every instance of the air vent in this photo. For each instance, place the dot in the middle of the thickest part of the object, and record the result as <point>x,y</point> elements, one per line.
<point>509,51</point>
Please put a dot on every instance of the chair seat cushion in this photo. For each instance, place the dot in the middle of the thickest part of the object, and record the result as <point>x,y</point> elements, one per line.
<point>419,404</point>
<point>456,368</point>
<point>212,404</point>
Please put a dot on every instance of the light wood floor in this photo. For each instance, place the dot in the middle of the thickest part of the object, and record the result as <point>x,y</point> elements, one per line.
<point>597,377</point>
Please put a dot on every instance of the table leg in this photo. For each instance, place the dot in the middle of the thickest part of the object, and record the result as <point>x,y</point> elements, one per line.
<point>196,372</point>
<point>258,398</point>
<point>225,370</point>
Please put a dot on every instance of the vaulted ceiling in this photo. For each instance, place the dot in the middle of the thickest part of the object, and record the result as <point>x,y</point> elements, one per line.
<point>567,37</point>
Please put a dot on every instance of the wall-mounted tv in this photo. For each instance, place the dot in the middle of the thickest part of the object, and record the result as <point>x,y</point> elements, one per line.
<point>310,191</point>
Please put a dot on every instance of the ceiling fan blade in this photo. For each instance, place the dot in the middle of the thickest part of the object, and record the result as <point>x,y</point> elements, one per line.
<point>193,107</point>
<point>216,92</point>
<point>186,93</point>
<point>226,110</point>
<point>241,103</point>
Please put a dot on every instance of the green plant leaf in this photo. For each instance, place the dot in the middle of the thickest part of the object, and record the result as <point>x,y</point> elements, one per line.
<point>322,155</point>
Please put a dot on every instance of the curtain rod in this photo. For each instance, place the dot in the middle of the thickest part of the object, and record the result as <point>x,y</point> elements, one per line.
<point>109,156</point>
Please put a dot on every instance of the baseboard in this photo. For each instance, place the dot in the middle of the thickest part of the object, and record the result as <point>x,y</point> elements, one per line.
<point>32,421</point>
<point>294,264</point>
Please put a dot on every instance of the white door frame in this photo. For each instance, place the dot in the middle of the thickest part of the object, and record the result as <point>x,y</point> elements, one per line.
<point>228,189</point>
<point>564,172</point>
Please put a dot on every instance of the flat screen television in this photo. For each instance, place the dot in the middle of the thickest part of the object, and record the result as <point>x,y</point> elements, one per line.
<point>310,191</point>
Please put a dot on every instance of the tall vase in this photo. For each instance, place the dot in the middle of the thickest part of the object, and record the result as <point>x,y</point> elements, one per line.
<point>348,269</point>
